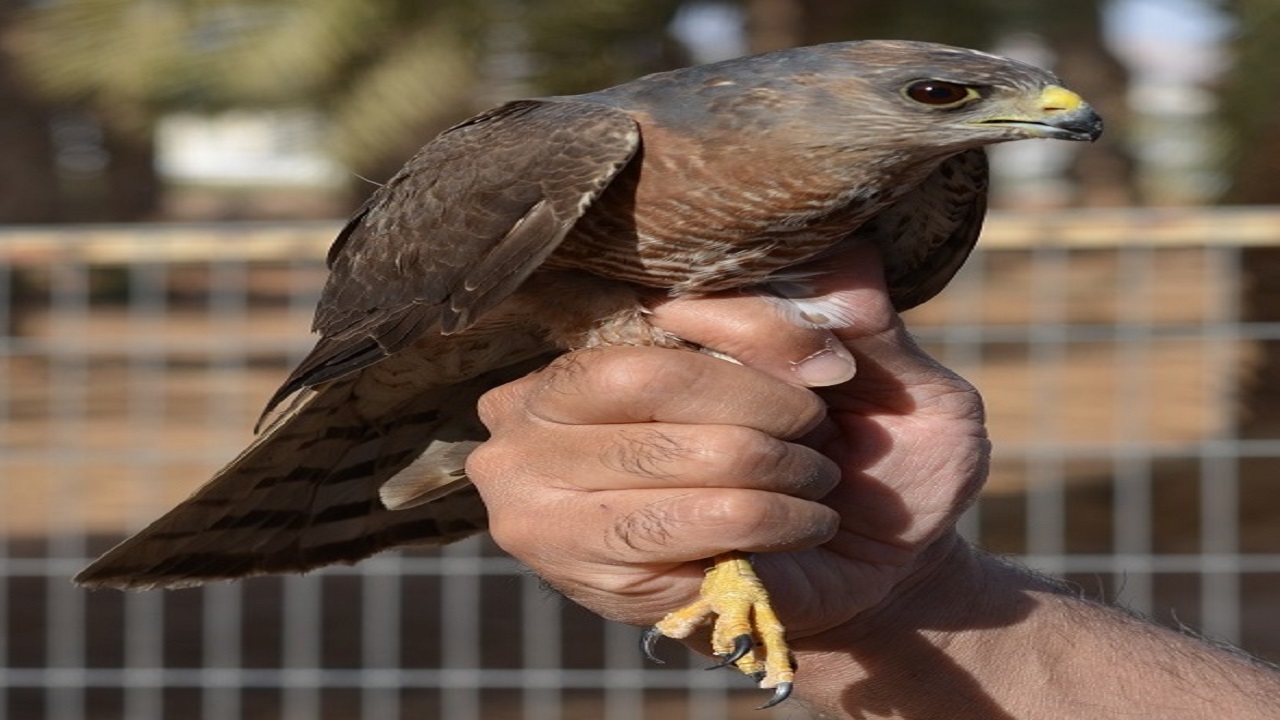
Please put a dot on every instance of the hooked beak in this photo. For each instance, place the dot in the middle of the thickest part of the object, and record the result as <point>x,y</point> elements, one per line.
<point>1057,114</point>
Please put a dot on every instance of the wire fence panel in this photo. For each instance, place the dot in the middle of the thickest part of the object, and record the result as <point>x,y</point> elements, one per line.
<point>1128,360</point>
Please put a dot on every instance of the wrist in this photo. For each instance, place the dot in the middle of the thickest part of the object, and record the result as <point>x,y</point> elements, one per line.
<point>980,638</point>
<point>929,650</point>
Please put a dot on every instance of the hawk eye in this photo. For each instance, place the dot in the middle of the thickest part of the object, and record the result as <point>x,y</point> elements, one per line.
<point>939,92</point>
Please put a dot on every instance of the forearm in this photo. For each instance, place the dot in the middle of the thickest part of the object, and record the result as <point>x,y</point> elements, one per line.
<point>991,641</point>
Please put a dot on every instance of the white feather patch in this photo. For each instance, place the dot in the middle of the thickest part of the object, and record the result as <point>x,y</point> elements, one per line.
<point>804,308</point>
<point>438,471</point>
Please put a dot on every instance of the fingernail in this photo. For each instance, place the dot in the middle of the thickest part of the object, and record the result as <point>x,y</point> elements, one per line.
<point>829,366</point>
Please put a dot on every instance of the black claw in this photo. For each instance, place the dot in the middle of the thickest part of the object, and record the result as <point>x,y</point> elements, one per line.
<point>648,640</point>
<point>741,646</point>
<point>780,693</point>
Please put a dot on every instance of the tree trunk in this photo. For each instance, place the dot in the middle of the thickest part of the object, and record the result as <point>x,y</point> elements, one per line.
<point>133,188</point>
<point>1252,115</point>
<point>1105,174</point>
<point>28,181</point>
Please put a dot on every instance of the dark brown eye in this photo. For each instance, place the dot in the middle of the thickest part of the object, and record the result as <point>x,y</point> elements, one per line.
<point>938,92</point>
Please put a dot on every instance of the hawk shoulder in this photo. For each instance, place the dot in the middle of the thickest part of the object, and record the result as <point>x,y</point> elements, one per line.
<point>460,227</point>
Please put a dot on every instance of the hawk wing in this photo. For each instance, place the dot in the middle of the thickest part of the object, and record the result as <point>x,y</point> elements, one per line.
<point>444,242</point>
<point>305,493</point>
<point>456,230</point>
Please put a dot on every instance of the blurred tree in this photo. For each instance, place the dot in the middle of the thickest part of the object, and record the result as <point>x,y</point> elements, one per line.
<point>378,70</point>
<point>385,74</point>
<point>28,181</point>
<point>1250,111</point>
<point>1249,105</point>
<point>583,46</point>
<point>777,24</point>
<point>28,178</point>
<point>1105,174</point>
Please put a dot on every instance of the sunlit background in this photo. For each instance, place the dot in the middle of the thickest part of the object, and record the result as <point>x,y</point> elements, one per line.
<point>171,172</point>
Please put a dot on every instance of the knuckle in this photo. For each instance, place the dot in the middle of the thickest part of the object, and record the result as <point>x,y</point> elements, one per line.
<point>496,405</point>
<point>511,534</point>
<point>731,514</point>
<point>508,462</point>
<point>740,452</point>
<point>646,528</point>
<point>724,514</point>
<point>766,463</point>
<point>647,452</point>
<point>508,525</point>
<point>567,367</point>
<point>810,410</point>
<point>566,375</point>
<point>493,460</point>
<point>627,373</point>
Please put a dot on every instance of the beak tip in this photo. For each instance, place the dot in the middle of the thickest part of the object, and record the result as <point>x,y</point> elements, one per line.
<point>1066,111</point>
<point>1082,123</point>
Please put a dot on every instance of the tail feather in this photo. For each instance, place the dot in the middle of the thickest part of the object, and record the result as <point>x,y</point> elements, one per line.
<point>306,493</point>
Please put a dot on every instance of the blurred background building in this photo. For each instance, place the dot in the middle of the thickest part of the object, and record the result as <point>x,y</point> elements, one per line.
<point>172,172</point>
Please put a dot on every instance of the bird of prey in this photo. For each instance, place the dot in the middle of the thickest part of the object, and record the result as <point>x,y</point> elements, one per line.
<point>546,225</point>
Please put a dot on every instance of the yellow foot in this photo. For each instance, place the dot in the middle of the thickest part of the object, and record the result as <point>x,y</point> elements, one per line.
<point>745,632</point>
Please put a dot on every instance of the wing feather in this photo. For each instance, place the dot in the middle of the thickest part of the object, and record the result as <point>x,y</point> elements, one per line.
<point>933,228</point>
<point>305,493</point>
<point>460,227</point>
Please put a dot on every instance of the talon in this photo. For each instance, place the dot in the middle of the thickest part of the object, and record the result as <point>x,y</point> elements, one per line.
<point>745,630</point>
<point>648,640</point>
<point>780,693</point>
<point>742,645</point>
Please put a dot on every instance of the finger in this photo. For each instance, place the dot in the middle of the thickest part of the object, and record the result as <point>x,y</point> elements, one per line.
<point>652,456</point>
<point>894,372</point>
<point>655,527</point>
<point>754,331</point>
<point>798,330</point>
<point>637,385</point>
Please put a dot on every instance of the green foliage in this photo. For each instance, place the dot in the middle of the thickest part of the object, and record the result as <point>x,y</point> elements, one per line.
<point>379,69</point>
<point>1250,107</point>
<point>587,45</point>
<point>385,73</point>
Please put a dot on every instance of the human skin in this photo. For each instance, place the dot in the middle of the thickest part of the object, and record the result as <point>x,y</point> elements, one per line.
<point>614,473</point>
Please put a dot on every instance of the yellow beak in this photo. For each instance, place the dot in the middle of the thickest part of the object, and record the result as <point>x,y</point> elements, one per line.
<point>1056,113</point>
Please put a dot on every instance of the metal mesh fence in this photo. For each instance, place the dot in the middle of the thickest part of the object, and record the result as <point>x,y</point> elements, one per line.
<point>1125,358</point>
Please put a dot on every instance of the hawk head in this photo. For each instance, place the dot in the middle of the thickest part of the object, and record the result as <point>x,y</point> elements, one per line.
<point>965,96</point>
<point>932,99</point>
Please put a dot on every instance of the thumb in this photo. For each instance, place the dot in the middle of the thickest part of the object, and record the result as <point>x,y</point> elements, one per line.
<point>797,331</point>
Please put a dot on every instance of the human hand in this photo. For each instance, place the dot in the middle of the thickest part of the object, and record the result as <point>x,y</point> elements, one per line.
<point>615,473</point>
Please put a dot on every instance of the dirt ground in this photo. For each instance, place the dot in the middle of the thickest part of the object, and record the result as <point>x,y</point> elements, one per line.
<point>132,411</point>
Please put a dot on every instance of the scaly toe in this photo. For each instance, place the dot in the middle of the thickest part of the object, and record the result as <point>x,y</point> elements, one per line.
<point>742,645</point>
<point>745,631</point>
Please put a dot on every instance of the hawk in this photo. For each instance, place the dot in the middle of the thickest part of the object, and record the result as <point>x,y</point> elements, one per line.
<point>547,225</point>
